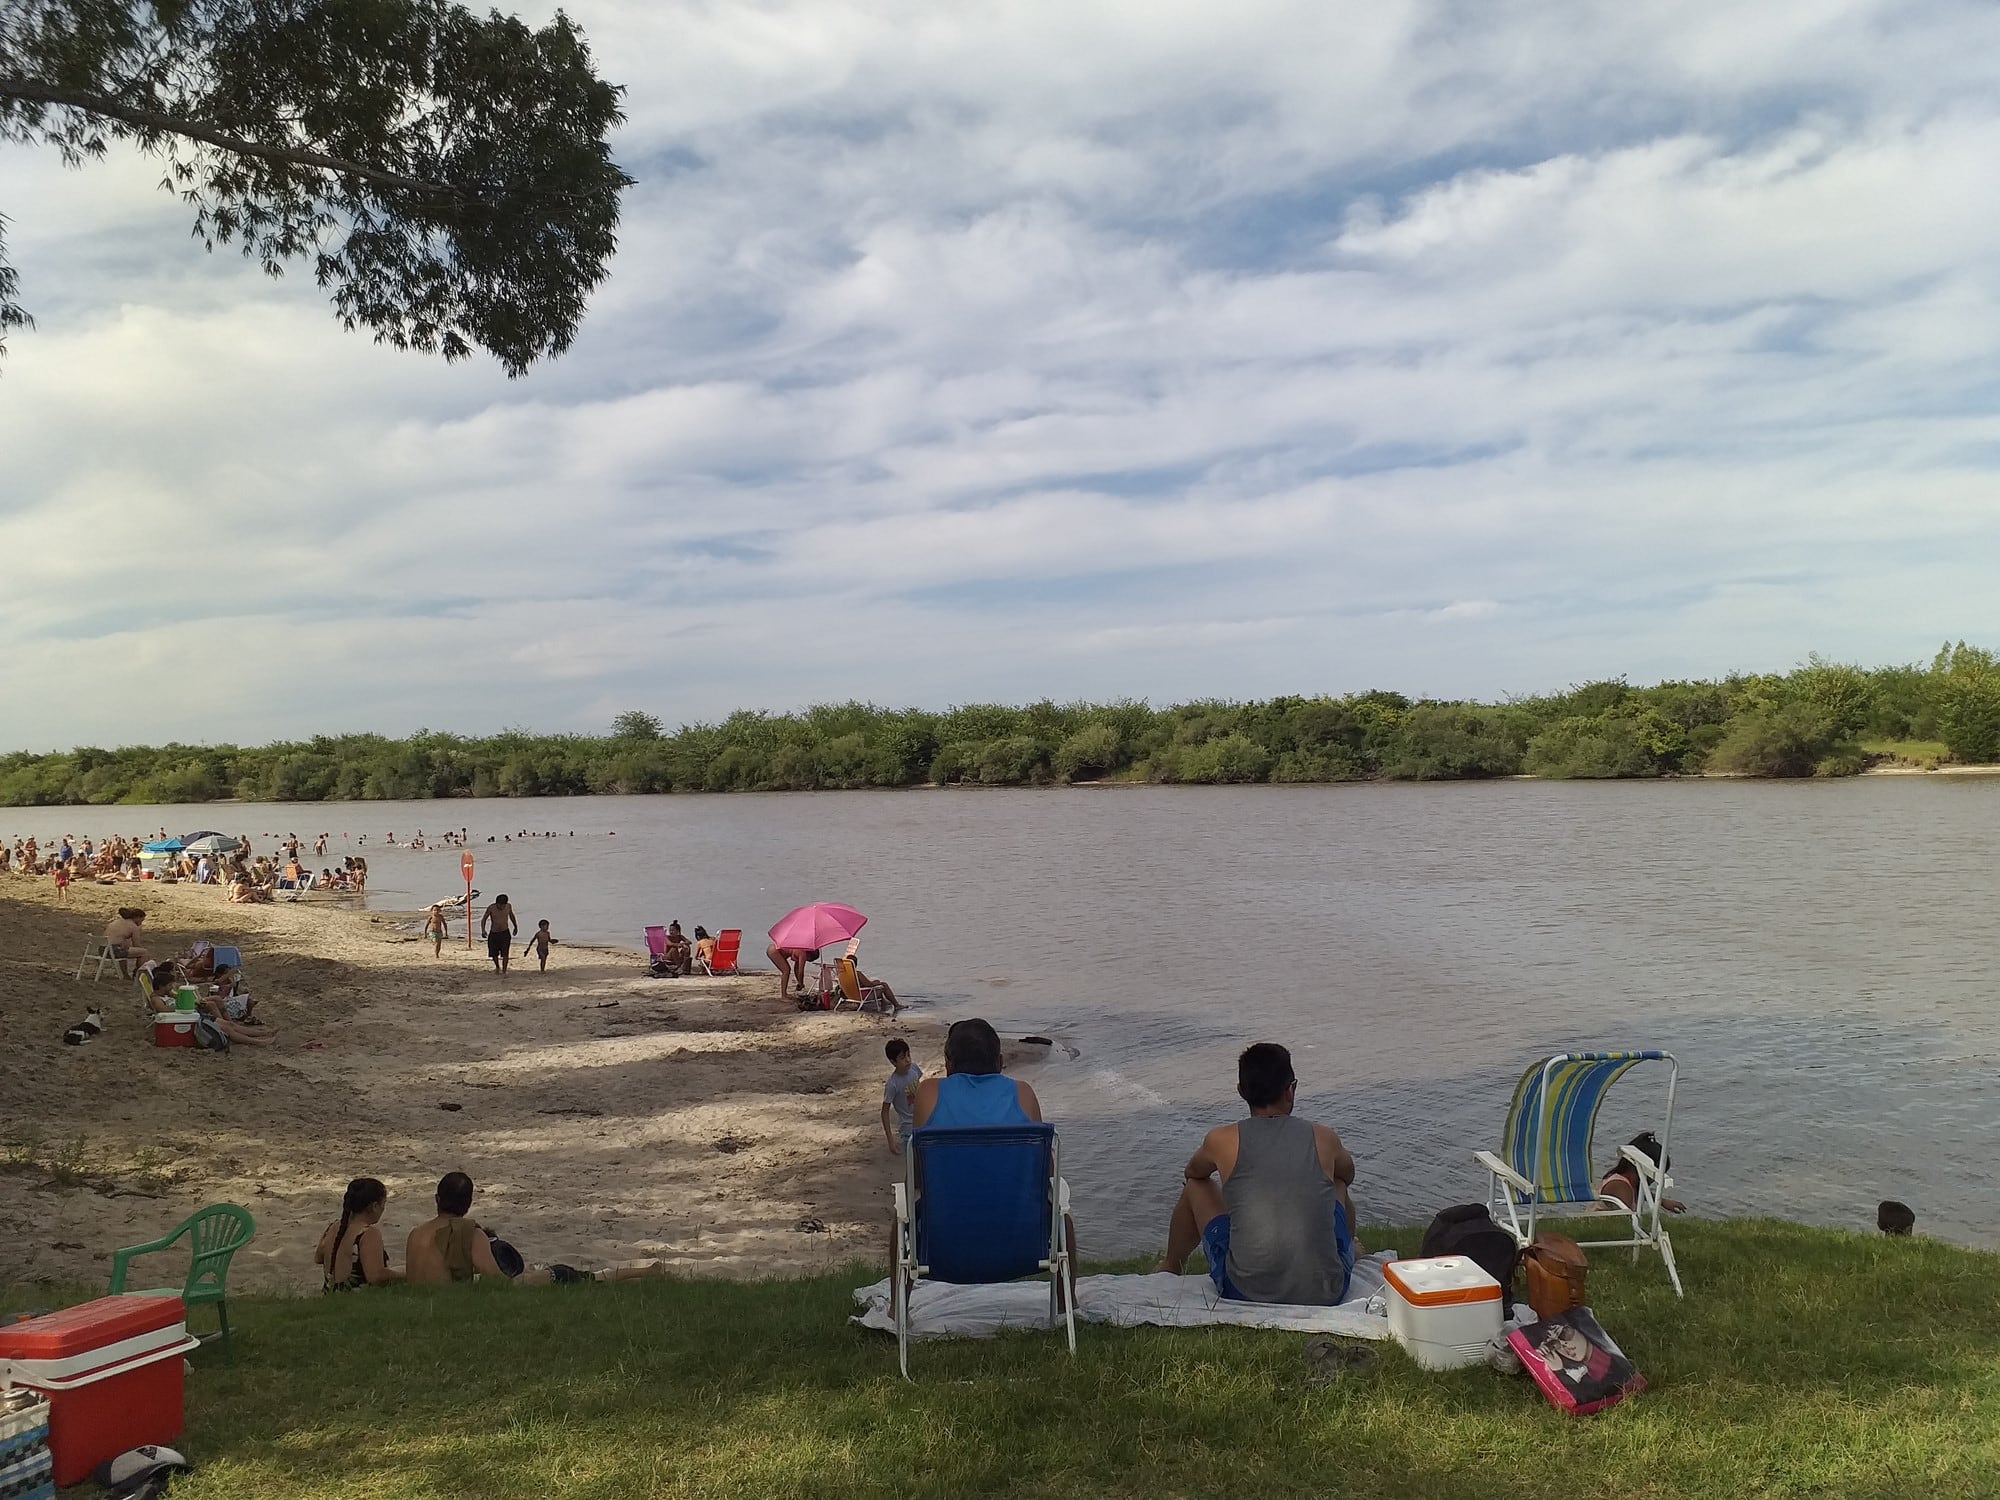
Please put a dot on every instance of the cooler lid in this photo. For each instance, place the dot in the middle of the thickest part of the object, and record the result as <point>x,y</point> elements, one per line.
<point>1440,1281</point>
<point>89,1325</point>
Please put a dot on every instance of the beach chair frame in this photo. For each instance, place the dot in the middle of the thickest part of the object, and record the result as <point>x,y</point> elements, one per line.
<point>910,1208</point>
<point>100,953</point>
<point>1549,1170</point>
<point>728,950</point>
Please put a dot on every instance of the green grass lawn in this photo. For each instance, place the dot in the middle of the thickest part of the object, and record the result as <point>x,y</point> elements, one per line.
<point>1805,1362</point>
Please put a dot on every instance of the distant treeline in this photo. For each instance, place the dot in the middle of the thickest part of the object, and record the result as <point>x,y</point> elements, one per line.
<point>1824,719</point>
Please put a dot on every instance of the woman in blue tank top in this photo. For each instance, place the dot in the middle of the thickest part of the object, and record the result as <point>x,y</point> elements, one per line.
<point>974,1091</point>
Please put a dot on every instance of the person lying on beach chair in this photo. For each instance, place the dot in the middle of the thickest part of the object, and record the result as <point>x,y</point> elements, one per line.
<point>230,1007</point>
<point>1278,1226</point>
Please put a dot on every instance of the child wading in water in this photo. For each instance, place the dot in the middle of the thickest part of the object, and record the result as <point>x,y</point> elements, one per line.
<point>540,941</point>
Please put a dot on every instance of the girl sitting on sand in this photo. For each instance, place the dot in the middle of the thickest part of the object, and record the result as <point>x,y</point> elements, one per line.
<point>355,1242</point>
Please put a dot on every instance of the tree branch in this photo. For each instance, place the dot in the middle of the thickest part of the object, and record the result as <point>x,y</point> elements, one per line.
<point>35,91</point>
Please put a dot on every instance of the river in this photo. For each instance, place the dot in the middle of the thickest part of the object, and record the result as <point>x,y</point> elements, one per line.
<point>1818,955</point>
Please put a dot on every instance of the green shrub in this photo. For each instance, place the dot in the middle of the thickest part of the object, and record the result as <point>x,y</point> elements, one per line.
<point>1772,742</point>
<point>1609,745</point>
<point>1090,752</point>
<point>1456,741</point>
<point>1011,761</point>
<point>1232,758</point>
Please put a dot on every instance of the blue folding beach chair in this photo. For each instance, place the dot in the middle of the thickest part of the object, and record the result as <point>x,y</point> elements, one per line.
<point>1549,1158</point>
<point>980,1205</point>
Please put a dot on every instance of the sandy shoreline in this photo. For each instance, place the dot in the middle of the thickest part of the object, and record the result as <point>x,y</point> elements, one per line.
<point>605,1116</point>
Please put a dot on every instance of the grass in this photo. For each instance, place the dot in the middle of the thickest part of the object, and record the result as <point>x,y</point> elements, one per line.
<point>1807,1362</point>
<point>1928,754</point>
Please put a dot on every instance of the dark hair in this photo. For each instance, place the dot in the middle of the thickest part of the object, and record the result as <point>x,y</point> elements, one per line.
<point>501,899</point>
<point>812,955</point>
<point>1263,1073</point>
<point>362,1194</point>
<point>1892,1217</point>
<point>700,931</point>
<point>454,1194</point>
<point>971,1046</point>
<point>897,1046</point>
<point>132,913</point>
<point>1647,1145</point>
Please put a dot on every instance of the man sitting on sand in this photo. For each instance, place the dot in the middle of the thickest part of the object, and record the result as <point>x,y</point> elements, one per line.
<point>1278,1227</point>
<point>450,1247</point>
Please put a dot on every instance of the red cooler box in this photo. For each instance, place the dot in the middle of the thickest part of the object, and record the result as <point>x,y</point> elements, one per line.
<point>111,1370</point>
<point>174,1028</point>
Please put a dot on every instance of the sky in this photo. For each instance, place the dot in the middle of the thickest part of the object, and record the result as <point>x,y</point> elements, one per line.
<point>1064,348</point>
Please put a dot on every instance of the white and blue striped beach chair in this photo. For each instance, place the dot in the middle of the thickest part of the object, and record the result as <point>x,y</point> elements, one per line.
<point>1548,1170</point>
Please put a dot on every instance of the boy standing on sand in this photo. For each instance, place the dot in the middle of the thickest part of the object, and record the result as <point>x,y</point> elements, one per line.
<point>899,1094</point>
<point>434,928</point>
<point>540,941</point>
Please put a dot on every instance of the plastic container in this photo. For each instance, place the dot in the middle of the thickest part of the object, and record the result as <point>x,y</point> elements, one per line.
<point>27,1469</point>
<point>1443,1310</point>
<point>187,997</point>
<point>111,1371</point>
<point>174,1028</point>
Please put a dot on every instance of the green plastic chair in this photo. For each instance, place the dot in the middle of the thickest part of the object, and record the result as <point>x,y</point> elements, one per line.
<point>215,1234</point>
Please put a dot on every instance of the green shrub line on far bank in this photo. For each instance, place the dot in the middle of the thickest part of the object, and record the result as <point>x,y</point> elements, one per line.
<point>1803,1362</point>
<point>1824,718</point>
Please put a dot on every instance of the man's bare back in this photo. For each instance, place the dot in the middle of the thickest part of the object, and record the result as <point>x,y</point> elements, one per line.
<point>430,1261</point>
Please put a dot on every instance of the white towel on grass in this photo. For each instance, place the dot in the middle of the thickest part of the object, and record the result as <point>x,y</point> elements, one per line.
<point>941,1309</point>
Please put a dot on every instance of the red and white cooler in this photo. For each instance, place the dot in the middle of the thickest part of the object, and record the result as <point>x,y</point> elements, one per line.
<point>174,1028</point>
<point>112,1373</point>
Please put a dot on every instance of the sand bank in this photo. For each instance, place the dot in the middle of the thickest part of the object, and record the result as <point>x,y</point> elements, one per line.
<point>604,1115</point>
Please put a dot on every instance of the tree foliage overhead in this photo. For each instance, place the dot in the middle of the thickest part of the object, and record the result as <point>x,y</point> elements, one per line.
<point>446,175</point>
<point>1823,719</point>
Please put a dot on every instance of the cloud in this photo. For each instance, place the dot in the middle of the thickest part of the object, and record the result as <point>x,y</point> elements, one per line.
<point>1118,349</point>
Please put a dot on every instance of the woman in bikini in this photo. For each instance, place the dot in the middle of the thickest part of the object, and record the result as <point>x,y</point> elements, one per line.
<point>356,1241</point>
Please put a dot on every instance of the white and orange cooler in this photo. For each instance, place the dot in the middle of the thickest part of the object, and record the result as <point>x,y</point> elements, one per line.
<point>111,1371</point>
<point>1444,1310</point>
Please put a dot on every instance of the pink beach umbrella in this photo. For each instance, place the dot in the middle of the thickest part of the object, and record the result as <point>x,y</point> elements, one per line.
<point>817,926</point>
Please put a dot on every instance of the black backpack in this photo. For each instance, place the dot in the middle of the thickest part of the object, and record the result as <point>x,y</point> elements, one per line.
<point>1468,1229</point>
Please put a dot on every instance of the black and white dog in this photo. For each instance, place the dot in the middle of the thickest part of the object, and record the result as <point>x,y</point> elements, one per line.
<point>84,1030</point>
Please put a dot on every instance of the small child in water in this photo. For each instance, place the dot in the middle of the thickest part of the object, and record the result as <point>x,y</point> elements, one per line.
<point>540,941</point>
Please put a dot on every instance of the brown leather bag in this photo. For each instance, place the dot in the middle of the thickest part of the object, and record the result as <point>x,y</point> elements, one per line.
<point>1555,1271</point>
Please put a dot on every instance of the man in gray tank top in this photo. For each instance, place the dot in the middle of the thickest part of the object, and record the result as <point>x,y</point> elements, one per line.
<point>1278,1226</point>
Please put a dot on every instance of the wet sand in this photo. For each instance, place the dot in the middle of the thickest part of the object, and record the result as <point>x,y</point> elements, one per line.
<point>605,1116</point>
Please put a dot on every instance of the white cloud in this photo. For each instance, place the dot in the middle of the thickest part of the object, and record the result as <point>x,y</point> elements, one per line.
<point>1116,349</point>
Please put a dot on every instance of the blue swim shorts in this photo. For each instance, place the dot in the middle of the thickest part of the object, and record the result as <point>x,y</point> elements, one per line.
<point>1215,1248</point>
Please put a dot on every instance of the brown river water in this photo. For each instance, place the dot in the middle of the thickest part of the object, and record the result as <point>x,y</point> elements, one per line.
<point>1820,956</point>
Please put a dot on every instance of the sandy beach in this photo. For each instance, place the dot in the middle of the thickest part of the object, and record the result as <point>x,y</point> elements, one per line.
<point>606,1116</point>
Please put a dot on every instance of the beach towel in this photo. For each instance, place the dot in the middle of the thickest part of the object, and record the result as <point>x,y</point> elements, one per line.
<point>943,1310</point>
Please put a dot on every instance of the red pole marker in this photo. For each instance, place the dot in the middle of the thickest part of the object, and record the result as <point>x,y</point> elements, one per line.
<point>465,869</point>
